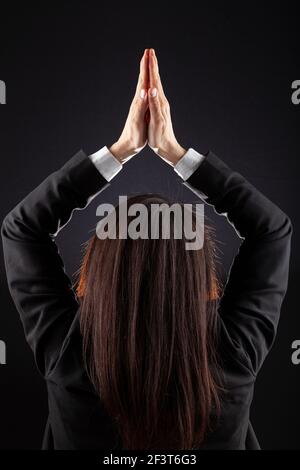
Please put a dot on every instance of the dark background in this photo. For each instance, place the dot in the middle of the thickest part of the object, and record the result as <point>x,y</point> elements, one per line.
<point>71,72</point>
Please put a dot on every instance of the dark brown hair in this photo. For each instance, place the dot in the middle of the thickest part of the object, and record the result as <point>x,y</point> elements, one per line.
<point>149,324</point>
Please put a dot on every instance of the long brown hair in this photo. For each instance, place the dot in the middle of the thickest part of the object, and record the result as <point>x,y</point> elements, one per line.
<point>149,325</point>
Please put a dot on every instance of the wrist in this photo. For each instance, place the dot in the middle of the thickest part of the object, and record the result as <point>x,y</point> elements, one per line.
<point>173,152</point>
<point>121,150</point>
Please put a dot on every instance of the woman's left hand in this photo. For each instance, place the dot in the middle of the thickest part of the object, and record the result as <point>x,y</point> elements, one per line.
<point>161,137</point>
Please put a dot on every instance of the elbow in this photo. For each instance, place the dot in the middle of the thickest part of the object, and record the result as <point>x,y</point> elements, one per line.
<point>7,226</point>
<point>285,230</point>
<point>4,226</point>
<point>280,226</point>
<point>288,226</point>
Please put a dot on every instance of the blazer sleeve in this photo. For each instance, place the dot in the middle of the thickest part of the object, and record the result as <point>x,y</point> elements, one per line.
<point>40,288</point>
<point>257,282</point>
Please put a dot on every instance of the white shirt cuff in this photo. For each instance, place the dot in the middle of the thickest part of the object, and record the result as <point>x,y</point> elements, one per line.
<point>106,163</point>
<point>189,163</point>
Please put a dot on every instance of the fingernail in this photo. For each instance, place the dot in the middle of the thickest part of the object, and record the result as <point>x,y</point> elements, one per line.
<point>142,94</point>
<point>153,92</point>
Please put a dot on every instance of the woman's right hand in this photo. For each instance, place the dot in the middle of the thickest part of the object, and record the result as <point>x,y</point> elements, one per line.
<point>134,135</point>
<point>161,137</point>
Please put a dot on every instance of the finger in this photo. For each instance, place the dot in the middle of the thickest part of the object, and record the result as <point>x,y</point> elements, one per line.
<point>154,104</point>
<point>140,99</point>
<point>152,69</point>
<point>154,76</point>
<point>144,72</point>
<point>159,83</point>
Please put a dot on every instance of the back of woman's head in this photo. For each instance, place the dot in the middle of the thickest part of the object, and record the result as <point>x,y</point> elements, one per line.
<point>149,324</point>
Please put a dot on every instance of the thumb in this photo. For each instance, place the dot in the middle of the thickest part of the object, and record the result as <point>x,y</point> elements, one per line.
<point>139,105</point>
<point>154,104</point>
<point>142,101</point>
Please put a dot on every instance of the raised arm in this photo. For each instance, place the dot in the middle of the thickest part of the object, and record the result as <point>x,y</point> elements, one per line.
<point>40,288</point>
<point>257,282</point>
<point>251,303</point>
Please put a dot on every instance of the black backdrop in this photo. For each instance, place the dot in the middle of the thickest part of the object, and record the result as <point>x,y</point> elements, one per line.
<point>70,73</point>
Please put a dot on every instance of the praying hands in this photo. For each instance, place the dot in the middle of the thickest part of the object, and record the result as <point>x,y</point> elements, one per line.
<point>149,118</point>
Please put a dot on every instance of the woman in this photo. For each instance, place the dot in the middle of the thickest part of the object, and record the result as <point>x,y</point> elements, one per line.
<point>144,355</point>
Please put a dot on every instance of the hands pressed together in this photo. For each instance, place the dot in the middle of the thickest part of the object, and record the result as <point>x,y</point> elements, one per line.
<point>149,118</point>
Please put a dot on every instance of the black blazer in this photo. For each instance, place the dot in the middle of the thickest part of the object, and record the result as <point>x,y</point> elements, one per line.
<point>249,308</point>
